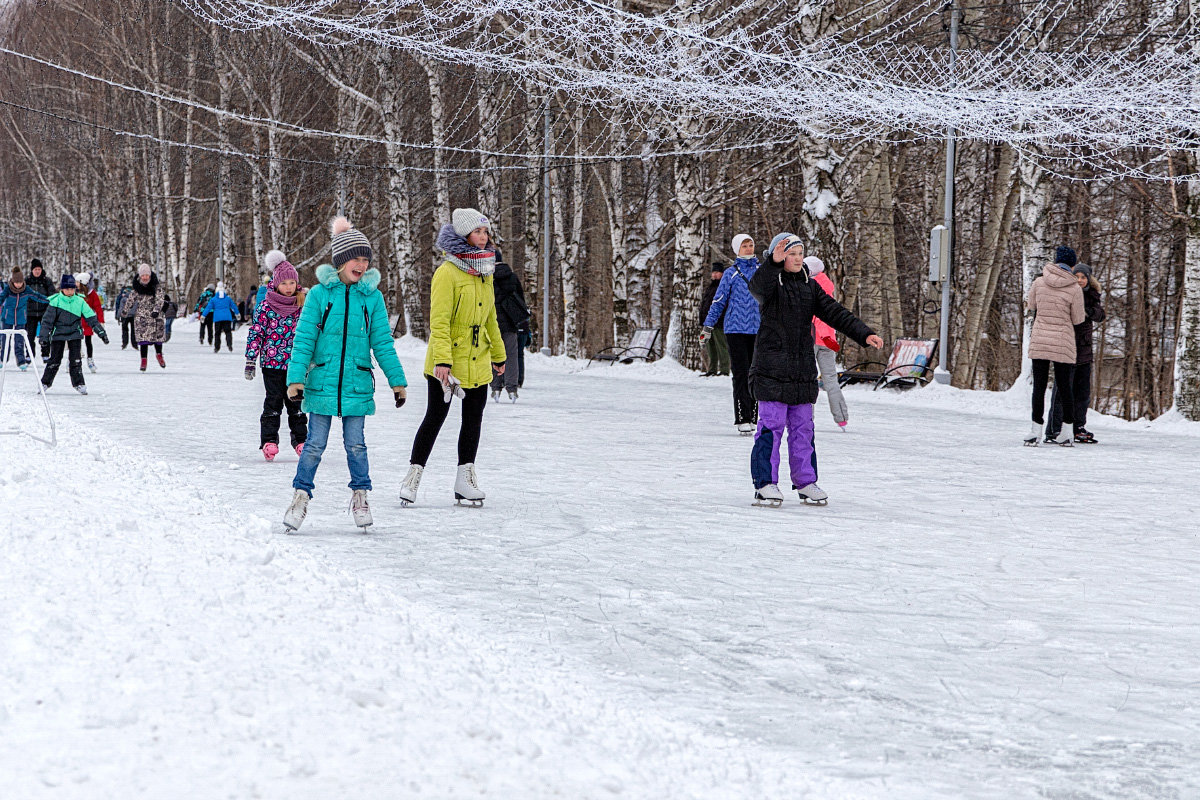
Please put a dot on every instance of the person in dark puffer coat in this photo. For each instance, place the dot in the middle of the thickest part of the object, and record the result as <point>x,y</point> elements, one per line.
<point>783,375</point>
<point>15,299</point>
<point>511,314</point>
<point>1081,381</point>
<point>39,282</point>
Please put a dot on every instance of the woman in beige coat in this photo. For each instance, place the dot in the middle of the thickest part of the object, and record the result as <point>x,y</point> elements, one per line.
<point>1057,303</point>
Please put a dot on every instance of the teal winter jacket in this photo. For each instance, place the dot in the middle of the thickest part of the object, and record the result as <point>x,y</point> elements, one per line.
<point>339,328</point>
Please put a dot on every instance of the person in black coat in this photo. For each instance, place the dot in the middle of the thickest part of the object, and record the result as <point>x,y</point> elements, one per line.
<point>1081,381</point>
<point>512,315</point>
<point>39,282</point>
<point>783,375</point>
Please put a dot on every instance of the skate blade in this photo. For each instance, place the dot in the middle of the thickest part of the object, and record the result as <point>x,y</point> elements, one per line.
<point>768,503</point>
<point>287,529</point>
<point>406,503</point>
<point>809,502</point>
<point>465,503</point>
<point>1031,444</point>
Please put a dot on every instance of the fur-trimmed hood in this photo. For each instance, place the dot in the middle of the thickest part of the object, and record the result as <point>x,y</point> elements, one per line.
<point>149,288</point>
<point>328,277</point>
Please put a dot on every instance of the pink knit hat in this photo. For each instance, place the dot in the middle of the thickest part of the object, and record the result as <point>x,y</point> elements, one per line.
<point>281,270</point>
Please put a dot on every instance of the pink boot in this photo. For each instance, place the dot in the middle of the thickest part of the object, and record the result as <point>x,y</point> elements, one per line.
<point>842,425</point>
<point>300,449</point>
<point>270,450</point>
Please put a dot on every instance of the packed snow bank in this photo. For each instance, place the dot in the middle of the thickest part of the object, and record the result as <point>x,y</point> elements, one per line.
<point>155,642</point>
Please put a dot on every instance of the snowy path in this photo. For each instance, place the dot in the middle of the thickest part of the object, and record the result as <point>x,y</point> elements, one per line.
<point>967,618</point>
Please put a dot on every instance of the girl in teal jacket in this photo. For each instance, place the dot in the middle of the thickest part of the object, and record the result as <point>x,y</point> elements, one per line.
<point>343,322</point>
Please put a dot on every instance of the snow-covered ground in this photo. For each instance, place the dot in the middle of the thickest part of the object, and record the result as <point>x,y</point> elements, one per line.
<point>968,618</point>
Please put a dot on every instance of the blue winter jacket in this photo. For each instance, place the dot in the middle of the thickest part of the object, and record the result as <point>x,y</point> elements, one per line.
<point>734,299</point>
<point>12,305</point>
<point>258,298</point>
<point>223,308</point>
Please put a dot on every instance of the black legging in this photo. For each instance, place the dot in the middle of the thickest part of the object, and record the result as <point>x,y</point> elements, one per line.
<point>87,344</point>
<point>436,409</point>
<point>741,355</point>
<point>1063,374</point>
<point>157,348</point>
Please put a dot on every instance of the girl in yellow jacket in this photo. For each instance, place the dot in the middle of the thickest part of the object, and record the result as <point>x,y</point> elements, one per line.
<point>465,347</point>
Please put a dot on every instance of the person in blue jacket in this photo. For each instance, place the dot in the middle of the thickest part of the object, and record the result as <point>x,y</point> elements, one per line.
<point>224,310</point>
<point>14,298</point>
<point>733,299</point>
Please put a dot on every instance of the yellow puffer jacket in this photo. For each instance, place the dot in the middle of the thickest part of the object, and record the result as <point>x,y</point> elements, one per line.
<point>462,326</point>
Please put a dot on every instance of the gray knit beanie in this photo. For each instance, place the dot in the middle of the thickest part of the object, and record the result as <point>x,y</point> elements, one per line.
<point>466,220</point>
<point>348,242</point>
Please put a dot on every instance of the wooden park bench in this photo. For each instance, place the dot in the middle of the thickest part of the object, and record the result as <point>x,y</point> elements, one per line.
<point>908,366</point>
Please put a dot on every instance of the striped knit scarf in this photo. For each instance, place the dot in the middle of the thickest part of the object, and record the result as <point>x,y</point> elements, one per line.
<point>470,260</point>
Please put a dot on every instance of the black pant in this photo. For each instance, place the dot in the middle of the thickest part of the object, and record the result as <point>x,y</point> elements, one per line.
<point>31,330</point>
<point>87,344</point>
<point>275,381</point>
<point>127,332</point>
<point>1062,382</point>
<point>436,409</point>
<point>226,327</point>
<point>741,355</point>
<point>143,349</point>
<point>1081,388</point>
<point>74,363</point>
<point>206,324</point>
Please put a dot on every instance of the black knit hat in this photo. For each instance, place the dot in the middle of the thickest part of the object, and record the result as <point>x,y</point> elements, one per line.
<point>37,262</point>
<point>1064,255</point>
<point>67,282</point>
<point>718,266</point>
<point>1082,269</point>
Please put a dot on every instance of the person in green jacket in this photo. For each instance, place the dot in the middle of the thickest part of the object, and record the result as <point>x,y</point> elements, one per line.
<point>343,322</point>
<point>465,349</point>
<point>62,329</point>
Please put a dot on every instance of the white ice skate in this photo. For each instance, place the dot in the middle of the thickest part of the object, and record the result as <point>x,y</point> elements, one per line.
<point>466,487</point>
<point>294,516</point>
<point>512,395</point>
<point>1064,438</point>
<point>746,428</point>
<point>768,496</point>
<point>412,482</point>
<point>1036,433</point>
<point>81,389</point>
<point>92,365</point>
<point>361,510</point>
<point>813,495</point>
<point>495,395</point>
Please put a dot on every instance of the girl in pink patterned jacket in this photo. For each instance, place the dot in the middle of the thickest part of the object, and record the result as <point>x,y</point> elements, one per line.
<point>270,340</point>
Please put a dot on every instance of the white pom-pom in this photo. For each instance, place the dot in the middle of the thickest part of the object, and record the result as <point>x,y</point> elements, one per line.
<point>340,225</point>
<point>273,259</point>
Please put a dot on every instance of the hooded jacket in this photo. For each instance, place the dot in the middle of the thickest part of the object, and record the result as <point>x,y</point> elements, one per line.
<point>823,334</point>
<point>202,301</point>
<point>271,335</point>
<point>14,306</point>
<point>1094,312</point>
<point>463,332</point>
<point>511,310</point>
<point>784,369</point>
<point>122,301</point>
<point>340,326</point>
<point>92,298</point>
<point>1057,303</point>
<point>734,300</point>
<point>222,307</point>
<point>63,320</point>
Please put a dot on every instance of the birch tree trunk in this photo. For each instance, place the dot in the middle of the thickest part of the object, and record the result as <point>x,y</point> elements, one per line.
<point>683,338</point>
<point>533,245</point>
<point>490,107</point>
<point>1187,349</point>
<point>435,73</point>
<point>568,241</point>
<point>228,254</point>
<point>1035,237</point>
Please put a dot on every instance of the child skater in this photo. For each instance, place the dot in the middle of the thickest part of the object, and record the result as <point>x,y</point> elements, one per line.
<point>826,346</point>
<point>784,373</point>
<point>343,322</point>
<point>83,282</point>
<point>465,348</point>
<point>270,339</point>
<point>14,301</point>
<point>62,329</point>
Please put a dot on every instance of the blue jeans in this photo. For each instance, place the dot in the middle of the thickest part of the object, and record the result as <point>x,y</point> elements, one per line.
<point>314,448</point>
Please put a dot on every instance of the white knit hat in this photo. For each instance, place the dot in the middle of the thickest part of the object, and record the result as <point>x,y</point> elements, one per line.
<point>144,269</point>
<point>815,265</point>
<point>737,243</point>
<point>466,220</point>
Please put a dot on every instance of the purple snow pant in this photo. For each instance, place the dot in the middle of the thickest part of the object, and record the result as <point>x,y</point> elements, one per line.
<point>802,450</point>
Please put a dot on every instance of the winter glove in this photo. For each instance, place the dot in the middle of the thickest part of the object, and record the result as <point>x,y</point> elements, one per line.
<point>154,315</point>
<point>705,334</point>
<point>296,391</point>
<point>453,388</point>
<point>249,373</point>
<point>401,395</point>
<point>104,338</point>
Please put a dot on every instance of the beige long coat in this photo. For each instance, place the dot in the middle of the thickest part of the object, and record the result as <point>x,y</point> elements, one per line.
<point>1057,300</point>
